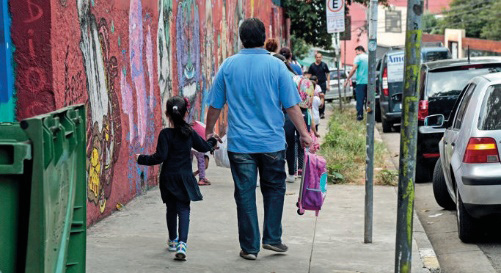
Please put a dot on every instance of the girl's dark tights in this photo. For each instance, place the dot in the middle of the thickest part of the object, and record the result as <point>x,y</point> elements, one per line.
<point>178,209</point>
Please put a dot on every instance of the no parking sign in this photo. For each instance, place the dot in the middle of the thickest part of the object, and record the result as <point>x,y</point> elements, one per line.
<point>335,15</point>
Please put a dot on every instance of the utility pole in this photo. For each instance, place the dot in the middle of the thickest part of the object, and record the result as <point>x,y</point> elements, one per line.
<point>344,65</point>
<point>371,122</point>
<point>408,138</point>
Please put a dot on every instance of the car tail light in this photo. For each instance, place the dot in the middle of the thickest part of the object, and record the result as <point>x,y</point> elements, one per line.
<point>423,109</point>
<point>386,91</point>
<point>481,150</point>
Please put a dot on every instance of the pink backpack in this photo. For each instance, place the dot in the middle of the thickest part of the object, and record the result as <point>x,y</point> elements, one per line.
<point>313,184</point>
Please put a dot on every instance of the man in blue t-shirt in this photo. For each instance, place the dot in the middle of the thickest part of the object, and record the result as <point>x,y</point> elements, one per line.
<point>361,67</point>
<point>256,86</point>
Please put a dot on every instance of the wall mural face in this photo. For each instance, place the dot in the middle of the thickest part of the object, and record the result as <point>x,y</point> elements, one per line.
<point>124,59</point>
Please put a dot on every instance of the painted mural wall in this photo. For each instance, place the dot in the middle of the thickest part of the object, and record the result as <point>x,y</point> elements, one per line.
<point>124,59</point>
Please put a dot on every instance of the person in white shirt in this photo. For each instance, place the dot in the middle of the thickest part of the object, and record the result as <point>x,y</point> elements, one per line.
<point>318,102</point>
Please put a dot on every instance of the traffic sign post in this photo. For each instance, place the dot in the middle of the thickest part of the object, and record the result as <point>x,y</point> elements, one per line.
<point>335,15</point>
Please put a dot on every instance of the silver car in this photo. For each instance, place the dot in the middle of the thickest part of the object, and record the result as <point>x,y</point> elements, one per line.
<point>333,93</point>
<point>468,175</point>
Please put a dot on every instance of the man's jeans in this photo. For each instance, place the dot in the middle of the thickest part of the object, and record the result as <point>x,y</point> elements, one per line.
<point>244,168</point>
<point>361,93</point>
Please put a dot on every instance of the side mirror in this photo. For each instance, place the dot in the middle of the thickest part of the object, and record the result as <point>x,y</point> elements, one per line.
<point>434,120</point>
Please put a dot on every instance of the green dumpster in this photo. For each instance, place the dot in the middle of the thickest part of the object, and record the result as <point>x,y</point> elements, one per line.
<point>43,193</point>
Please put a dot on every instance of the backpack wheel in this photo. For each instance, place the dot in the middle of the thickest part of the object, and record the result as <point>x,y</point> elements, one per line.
<point>297,204</point>
<point>300,212</point>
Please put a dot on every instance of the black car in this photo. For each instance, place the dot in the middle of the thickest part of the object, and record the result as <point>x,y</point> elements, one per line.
<point>391,82</point>
<point>441,85</point>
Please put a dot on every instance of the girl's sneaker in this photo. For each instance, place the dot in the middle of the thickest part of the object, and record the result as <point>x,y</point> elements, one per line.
<point>181,251</point>
<point>172,245</point>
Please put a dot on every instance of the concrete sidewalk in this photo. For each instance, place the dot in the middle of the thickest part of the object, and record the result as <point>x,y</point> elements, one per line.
<point>134,239</point>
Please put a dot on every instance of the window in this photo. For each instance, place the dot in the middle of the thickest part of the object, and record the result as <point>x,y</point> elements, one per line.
<point>463,106</point>
<point>490,114</point>
<point>393,21</point>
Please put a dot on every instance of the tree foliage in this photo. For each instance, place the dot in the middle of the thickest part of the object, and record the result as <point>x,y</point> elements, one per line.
<point>299,47</point>
<point>479,18</point>
<point>309,22</point>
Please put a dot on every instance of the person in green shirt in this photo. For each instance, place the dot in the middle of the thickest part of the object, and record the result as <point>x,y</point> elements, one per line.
<point>361,67</point>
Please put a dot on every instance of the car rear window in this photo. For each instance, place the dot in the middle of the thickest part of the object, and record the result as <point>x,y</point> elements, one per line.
<point>490,115</point>
<point>451,82</point>
<point>435,56</point>
<point>334,74</point>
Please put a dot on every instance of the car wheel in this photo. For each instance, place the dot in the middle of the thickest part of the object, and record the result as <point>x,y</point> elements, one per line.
<point>386,126</point>
<point>467,225</point>
<point>440,191</point>
<point>423,171</point>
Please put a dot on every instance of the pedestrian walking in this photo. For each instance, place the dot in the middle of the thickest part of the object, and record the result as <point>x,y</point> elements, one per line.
<point>322,72</point>
<point>202,165</point>
<point>178,186</point>
<point>286,52</point>
<point>361,68</point>
<point>256,86</point>
<point>271,45</point>
<point>315,106</point>
<point>294,154</point>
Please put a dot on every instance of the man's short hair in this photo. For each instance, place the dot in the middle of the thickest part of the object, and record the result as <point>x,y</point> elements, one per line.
<point>252,33</point>
<point>318,53</point>
<point>360,48</point>
<point>286,52</point>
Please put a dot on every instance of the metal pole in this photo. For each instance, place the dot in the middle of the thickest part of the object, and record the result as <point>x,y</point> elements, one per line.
<point>344,65</point>
<point>408,138</point>
<point>371,122</point>
<point>338,58</point>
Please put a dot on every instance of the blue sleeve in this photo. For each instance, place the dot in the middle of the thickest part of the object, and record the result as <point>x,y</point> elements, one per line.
<point>288,94</point>
<point>217,94</point>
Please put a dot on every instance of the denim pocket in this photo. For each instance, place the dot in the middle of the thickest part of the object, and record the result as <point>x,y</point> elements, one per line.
<point>240,158</point>
<point>280,155</point>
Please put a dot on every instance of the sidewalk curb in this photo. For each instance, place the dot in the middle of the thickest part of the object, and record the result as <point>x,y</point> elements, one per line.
<point>426,251</point>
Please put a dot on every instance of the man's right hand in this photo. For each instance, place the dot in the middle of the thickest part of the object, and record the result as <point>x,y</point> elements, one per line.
<point>346,82</point>
<point>306,141</point>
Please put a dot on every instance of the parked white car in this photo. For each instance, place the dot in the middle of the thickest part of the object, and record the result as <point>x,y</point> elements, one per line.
<point>333,93</point>
<point>467,177</point>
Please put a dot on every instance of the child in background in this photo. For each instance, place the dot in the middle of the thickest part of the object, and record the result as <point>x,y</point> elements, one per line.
<point>316,105</point>
<point>202,164</point>
<point>178,186</point>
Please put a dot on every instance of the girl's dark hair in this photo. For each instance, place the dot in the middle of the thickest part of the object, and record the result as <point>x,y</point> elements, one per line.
<point>286,52</point>
<point>283,59</point>
<point>176,110</point>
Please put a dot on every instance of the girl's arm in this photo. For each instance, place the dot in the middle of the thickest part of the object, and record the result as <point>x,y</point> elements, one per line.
<point>203,146</point>
<point>160,155</point>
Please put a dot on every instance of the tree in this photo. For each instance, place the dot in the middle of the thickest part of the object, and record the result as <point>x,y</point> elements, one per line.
<point>309,22</point>
<point>431,24</point>
<point>299,47</point>
<point>471,15</point>
<point>492,30</point>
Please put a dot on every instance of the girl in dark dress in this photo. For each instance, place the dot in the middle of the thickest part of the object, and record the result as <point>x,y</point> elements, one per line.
<point>178,186</point>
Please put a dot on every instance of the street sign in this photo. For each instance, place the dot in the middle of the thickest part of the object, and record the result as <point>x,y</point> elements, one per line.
<point>335,15</point>
<point>346,35</point>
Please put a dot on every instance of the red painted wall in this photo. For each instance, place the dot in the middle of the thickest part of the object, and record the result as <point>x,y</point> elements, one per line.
<point>124,59</point>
